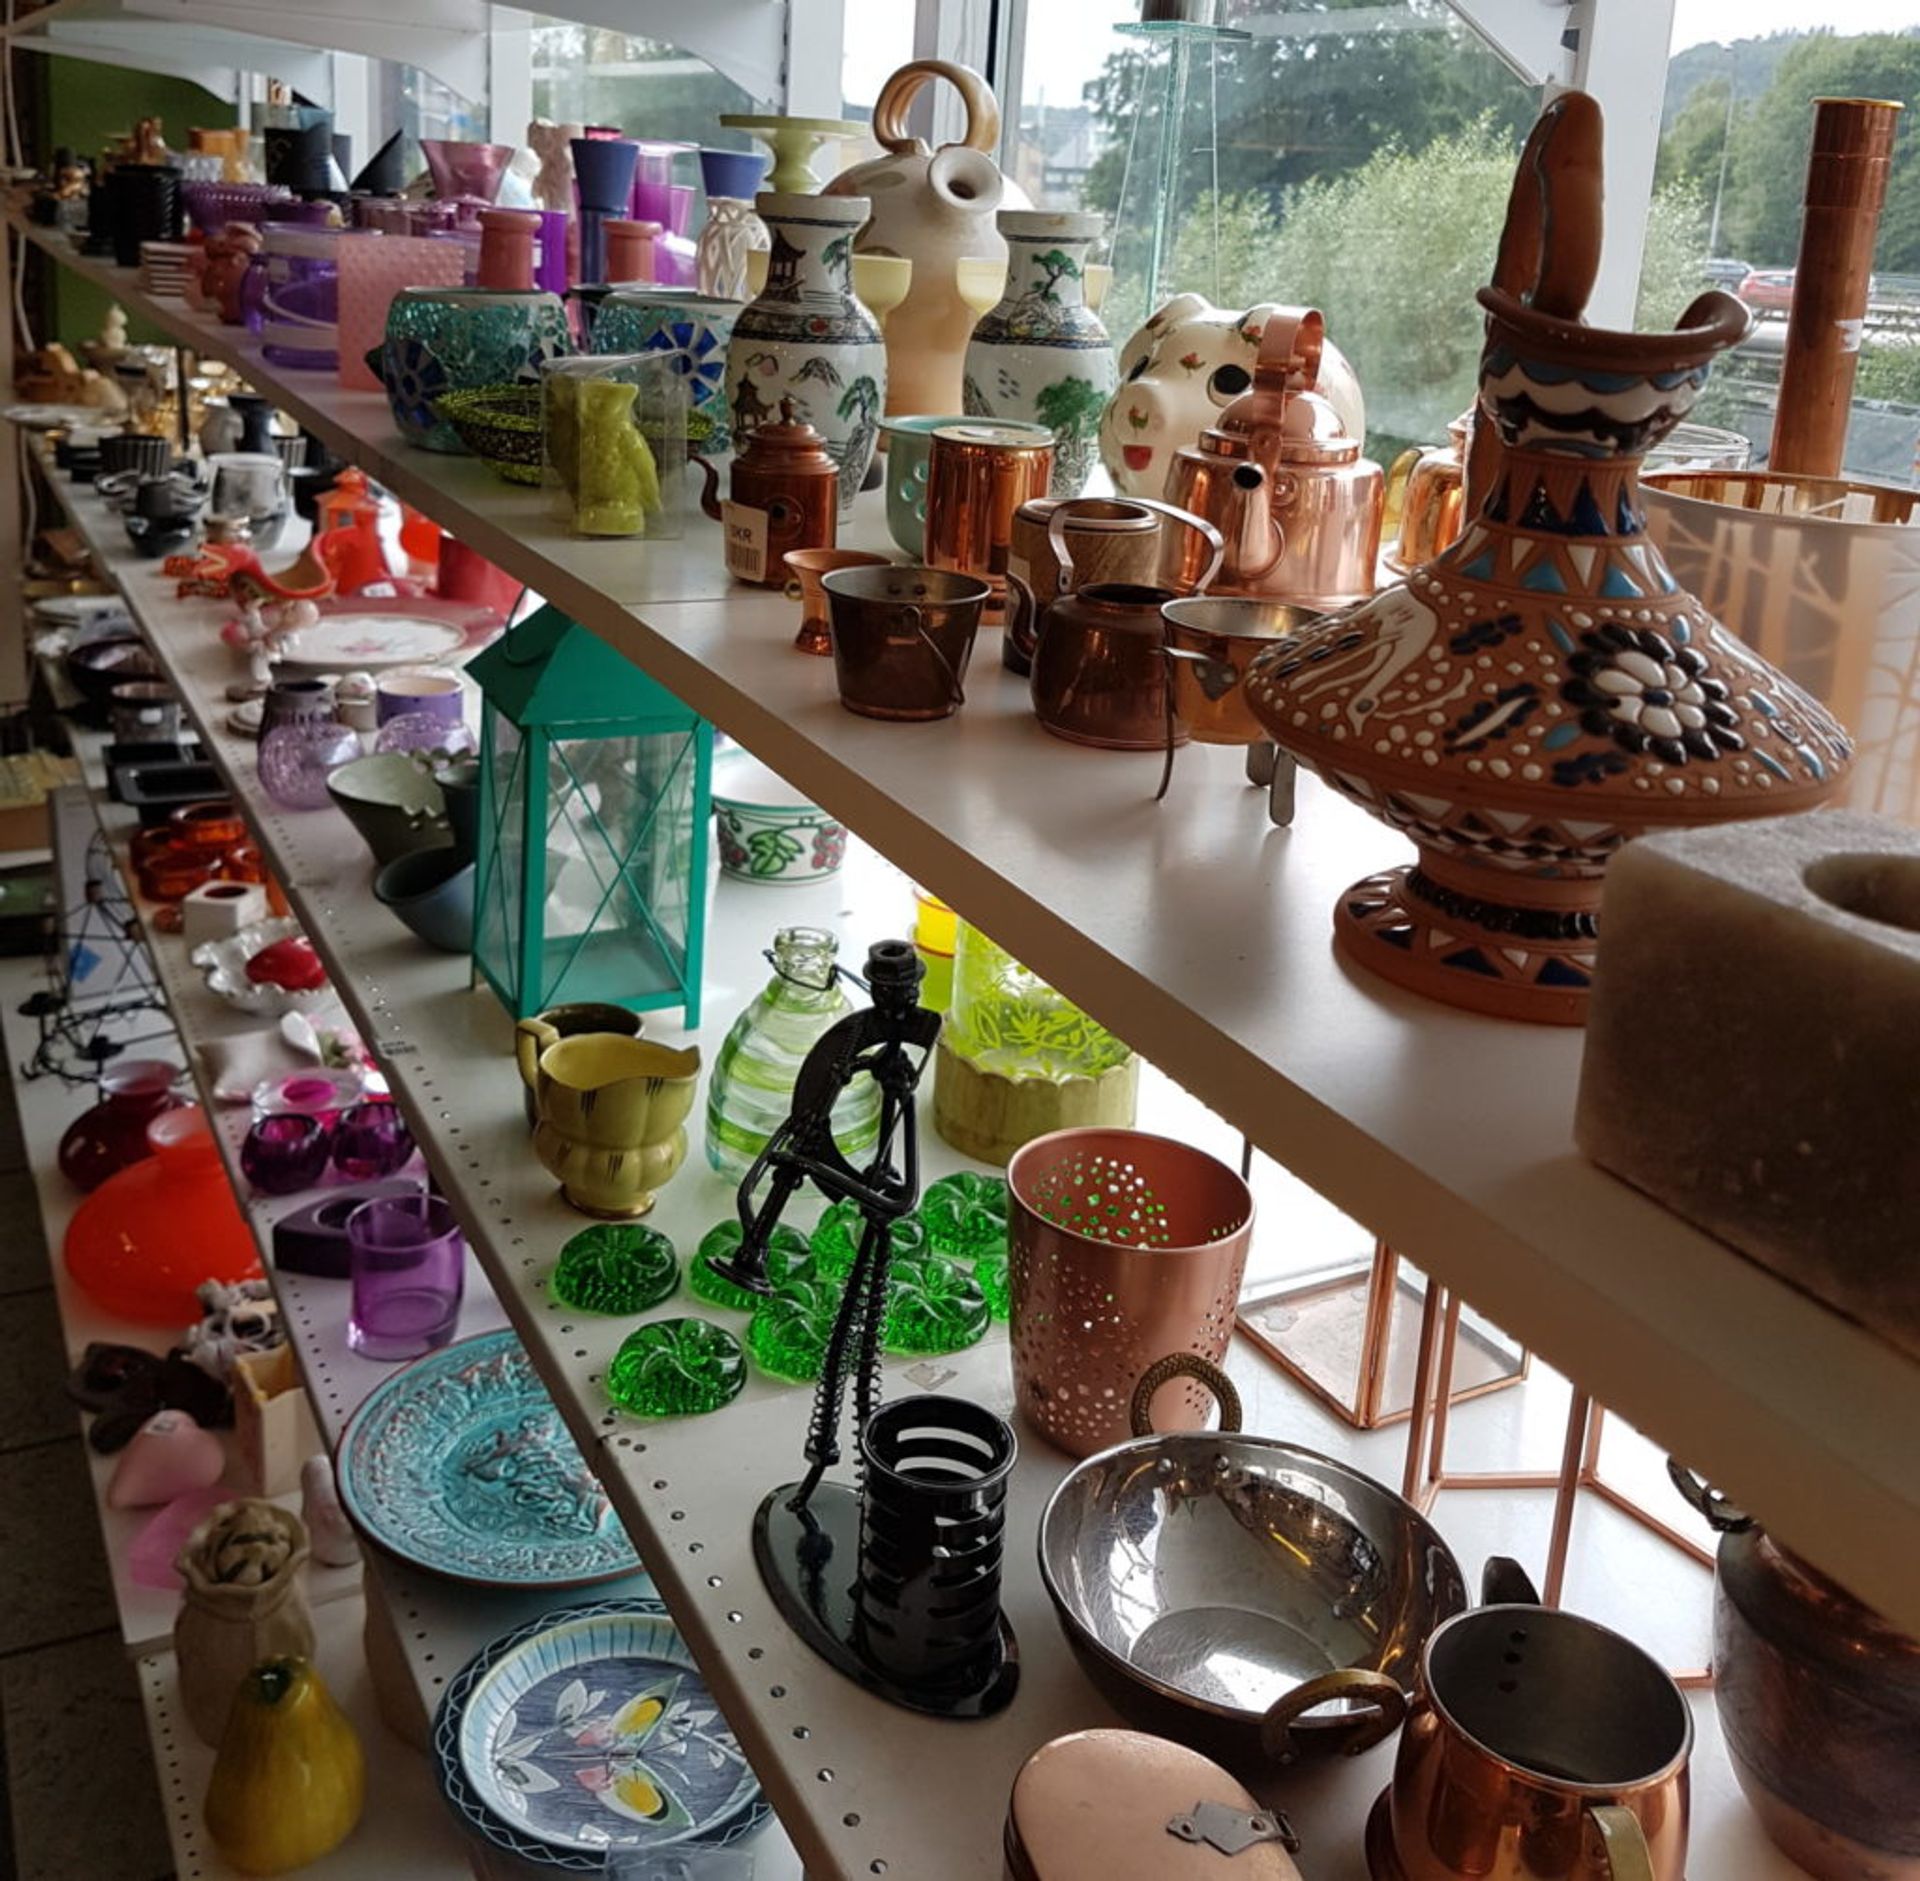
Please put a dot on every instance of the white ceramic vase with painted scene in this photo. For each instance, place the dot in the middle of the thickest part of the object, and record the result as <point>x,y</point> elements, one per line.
<point>1042,355</point>
<point>808,338</point>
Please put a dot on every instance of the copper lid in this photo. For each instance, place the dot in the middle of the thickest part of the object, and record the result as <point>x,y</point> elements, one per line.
<point>1281,419</point>
<point>1101,1805</point>
<point>790,448</point>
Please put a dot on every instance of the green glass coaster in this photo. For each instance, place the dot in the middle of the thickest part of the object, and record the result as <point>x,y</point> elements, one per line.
<point>965,1215</point>
<point>933,1305</point>
<point>789,1331</point>
<point>676,1368</point>
<point>836,1239</point>
<point>618,1267</point>
<point>785,1251</point>
<point>995,1278</point>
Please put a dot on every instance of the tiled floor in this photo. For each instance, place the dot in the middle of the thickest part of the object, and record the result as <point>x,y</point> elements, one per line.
<point>79,1796</point>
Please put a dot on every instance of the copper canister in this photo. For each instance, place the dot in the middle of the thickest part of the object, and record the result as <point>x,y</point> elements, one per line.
<point>1110,540</point>
<point>785,473</point>
<point>1124,1247</point>
<point>978,475</point>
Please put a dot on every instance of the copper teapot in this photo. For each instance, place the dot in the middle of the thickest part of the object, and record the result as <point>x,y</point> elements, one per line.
<point>1279,478</point>
<point>784,472</point>
<point>1099,673</point>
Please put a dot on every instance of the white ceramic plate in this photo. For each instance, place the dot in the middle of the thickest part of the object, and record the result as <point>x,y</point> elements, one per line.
<point>366,642</point>
<point>54,417</point>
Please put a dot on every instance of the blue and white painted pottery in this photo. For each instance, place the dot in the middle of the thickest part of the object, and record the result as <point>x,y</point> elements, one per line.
<point>461,1465</point>
<point>589,1731</point>
<point>691,331</point>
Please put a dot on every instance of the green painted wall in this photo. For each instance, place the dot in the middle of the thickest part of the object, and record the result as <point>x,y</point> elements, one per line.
<point>86,106</point>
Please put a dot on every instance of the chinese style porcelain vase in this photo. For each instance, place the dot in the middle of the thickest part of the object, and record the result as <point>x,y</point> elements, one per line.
<point>1042,355</point>
<point>808,338</point>
<point>1544,690</point>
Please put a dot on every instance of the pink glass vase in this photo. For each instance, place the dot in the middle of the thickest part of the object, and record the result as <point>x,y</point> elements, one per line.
<point>461,169</point>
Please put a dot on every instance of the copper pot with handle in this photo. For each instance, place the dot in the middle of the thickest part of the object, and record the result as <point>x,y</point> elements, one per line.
<point>1819,1703</point>
<point>1111,539</point>
<point>1099,673</point>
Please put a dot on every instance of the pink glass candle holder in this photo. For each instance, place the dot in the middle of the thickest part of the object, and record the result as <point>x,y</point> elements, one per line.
<point>285,1153</point>
<point>371,1141</point>
<point>408,1267</point>
<point>374,268</point>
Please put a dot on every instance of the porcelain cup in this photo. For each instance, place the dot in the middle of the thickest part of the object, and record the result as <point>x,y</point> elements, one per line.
<point>611,1114</point>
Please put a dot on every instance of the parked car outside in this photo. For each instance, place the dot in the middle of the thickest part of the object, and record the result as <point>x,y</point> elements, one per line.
<point>1767,290</point>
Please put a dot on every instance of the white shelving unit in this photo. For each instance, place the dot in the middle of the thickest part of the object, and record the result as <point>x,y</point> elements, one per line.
<point>847,1773</point>
<point>1203,937</point>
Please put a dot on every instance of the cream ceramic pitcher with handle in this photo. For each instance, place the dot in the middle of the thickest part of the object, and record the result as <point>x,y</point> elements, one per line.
<point>610,1114</point>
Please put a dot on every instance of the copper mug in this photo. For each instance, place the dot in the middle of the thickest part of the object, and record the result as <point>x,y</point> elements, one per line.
<point>1540,1747</point>
<point>1099,667</point>
<point>978,475</point>
<point>1112,539</point>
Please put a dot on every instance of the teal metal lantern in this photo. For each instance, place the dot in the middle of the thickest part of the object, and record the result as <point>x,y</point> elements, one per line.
<point>595,790</point>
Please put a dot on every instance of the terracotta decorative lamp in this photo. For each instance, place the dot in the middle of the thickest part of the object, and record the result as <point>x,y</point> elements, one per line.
<point>1544,690</point>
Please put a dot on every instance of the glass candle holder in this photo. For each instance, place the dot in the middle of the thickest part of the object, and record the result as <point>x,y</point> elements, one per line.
<point>285,1153</point>
<point>617,1267</point>
<point>408,1269</point>
<point>616,441</point>
<point>787,1250</point>
<point>836,1239</point>
<point>676,1368</point>
<point>318,1092</point>
<point>371,1141</point>
<point>296,759</point>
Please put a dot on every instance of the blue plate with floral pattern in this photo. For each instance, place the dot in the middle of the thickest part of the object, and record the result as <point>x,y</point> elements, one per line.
<point>461,1466</point>
<point>588,1731</point>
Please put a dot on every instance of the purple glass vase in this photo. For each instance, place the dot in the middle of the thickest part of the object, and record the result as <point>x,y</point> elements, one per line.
<point>297,758</point>
<point>408,1270</point>
<point>371,1141</point>
<point>112,1136</point>
<point>285,1153</point>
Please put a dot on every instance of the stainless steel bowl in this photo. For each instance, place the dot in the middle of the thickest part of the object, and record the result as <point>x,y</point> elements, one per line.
<point>1219,1587</point>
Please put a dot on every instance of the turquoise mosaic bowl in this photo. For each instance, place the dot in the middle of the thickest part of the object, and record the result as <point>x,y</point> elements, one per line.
<point>442,340</point>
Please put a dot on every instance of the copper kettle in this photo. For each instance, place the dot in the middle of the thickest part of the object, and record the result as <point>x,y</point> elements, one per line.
<point>1296,504</point>
<point>1099,672</point>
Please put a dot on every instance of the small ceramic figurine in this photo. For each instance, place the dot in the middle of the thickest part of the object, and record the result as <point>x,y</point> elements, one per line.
<point>552,144</point>
<point>169,1455</point>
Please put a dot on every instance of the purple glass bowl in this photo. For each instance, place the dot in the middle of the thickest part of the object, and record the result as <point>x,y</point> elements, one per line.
<point>286,1153</point>
<point>371,1141</point>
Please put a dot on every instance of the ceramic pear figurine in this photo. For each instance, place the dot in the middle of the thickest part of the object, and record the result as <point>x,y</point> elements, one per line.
<point>610,1114</point>
<point>933,207</point>
<point>1543,690</point>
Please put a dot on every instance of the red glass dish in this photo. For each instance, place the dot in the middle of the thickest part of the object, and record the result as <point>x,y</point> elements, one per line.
<point>290,964</point>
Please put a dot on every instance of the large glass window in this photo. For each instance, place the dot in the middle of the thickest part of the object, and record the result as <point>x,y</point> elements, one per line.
<point>641,87</point>
<point>1356,160</point>
<point>1733,163</point>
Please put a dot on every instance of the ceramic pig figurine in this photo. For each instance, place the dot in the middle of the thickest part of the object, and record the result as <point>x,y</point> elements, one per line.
<point>1180,371</point>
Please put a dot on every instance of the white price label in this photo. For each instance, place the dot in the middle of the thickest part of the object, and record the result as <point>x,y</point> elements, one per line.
<point>745,529</point>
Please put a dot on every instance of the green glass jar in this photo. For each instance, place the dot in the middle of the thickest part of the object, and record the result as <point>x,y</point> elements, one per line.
<point>753,1078</point>
<point>1006,1019</point>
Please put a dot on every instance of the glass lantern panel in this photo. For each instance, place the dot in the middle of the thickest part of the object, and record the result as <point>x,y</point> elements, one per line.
<point>619,867</point>
<point>496,934</point>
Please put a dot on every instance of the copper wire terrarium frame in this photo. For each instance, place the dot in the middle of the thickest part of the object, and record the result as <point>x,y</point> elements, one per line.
<point>1365,1407</point>
<point>1426,1474</point>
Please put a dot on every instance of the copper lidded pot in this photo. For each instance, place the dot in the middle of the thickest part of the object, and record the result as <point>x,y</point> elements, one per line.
<point>1111,539</point>
<point>1819,1703</point>
<point>1099,668</point>
<point>784,471</point>
<point>1279,477</point>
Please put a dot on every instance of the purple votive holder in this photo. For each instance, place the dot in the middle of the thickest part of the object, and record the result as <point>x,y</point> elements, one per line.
<point>408,1267</point>
<point>371,1141</point>
<point>285,1153</point>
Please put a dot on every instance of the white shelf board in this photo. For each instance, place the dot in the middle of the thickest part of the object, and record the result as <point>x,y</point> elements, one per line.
<point>687,1489</point>
<point>1203,937</point>
<point>438,1624</point>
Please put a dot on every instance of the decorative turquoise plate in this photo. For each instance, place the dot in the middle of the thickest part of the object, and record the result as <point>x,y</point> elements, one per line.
<point>461,1465</point>
<point>586,1731</point>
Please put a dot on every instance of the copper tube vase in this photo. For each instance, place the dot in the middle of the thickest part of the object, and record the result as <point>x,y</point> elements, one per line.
<point>1124,1247</point>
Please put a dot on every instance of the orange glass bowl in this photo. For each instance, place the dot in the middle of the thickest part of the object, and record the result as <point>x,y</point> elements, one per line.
<point>145,1239</point>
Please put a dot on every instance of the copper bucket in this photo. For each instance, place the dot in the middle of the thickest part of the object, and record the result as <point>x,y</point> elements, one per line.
<point>902,637</point>
<point>1124,1247</point>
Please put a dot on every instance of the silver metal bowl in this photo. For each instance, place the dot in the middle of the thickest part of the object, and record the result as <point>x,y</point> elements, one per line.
<point>1219,1587</point>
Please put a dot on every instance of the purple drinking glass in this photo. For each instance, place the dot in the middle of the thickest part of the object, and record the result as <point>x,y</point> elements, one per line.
<point>409,1263</point>
<point>285,1153</point>
<point>371,1141</point>
<point>296,759</point>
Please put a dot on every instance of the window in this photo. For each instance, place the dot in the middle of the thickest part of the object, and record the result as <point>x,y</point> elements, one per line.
<point>1729,187</point>
<point>640,87</point>
<point>1358,167</point>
